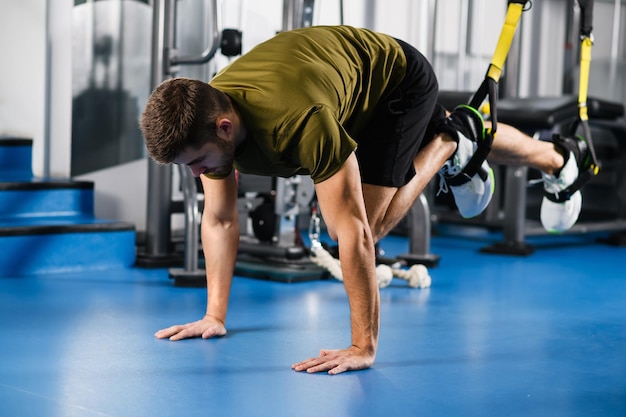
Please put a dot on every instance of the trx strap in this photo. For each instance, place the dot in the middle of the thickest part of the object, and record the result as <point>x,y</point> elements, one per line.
<point>586,42</point>
<point>488,88</point>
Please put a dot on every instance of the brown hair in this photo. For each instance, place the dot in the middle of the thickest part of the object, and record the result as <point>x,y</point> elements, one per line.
<point>181,112</point>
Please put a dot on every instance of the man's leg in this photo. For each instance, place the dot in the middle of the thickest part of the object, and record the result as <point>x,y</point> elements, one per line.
<point>386,206</point>
<point>467,175</point>
<point>560,161</point>
<point>513,147</point>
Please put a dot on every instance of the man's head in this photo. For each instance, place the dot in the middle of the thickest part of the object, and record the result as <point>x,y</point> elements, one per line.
<point>181,112</point>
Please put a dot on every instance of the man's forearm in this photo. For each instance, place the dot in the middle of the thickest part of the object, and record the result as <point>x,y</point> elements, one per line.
<point>359,274</point>
<point>219,243</point>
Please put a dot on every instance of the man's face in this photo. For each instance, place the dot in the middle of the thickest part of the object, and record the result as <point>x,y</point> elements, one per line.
<point>213,157</point>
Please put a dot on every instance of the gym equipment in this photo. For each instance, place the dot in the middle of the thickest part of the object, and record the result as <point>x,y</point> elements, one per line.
<point>264,221</point>
<point>417,226</point>
<point>586,42</point>
<point>271,247</point>
<point>166,61</point>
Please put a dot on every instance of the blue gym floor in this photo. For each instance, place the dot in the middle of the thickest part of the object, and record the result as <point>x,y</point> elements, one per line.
<point>543,335</point>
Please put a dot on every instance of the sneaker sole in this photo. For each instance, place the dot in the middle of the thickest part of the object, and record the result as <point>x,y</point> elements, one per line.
<point>560,217</point>
<point>484,203</point>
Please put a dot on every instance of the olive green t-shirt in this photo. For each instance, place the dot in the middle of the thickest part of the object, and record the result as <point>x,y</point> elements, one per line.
<point>305,94</point>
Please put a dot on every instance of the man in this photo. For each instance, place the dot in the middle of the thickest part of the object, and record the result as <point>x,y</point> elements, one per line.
<point>355,110</point>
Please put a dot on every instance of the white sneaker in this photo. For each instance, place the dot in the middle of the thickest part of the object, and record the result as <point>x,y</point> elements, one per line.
<point>471,194</point>
<point>472,197</point>
<point>557,217</point>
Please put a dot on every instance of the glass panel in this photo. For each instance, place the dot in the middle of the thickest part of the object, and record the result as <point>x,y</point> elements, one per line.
<point>607,76</point>
<point>111,82</point>
<point>466,34</point>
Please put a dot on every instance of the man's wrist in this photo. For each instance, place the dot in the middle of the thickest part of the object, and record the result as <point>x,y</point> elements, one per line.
<point>215,318</point>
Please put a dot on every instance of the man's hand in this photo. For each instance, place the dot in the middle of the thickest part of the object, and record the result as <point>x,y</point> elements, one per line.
<point>337,361</point>
<point>206,328</point>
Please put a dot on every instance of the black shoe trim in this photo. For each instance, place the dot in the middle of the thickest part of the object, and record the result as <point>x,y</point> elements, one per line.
<point>465,120</point>
<point>469,122</point>
<point>577,146</point>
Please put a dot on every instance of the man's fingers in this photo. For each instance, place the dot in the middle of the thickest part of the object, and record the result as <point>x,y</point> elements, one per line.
<point>186,331</point>
<point>213,332</point>
<point>312,365</point>
<point>179,336</point>
<point>302,365</point>
<point>315,365</point>
<point>341,368</point>
<point>335,362</point>
<point>175,333</point>
<point>165,333</point>
<point>307,364</point>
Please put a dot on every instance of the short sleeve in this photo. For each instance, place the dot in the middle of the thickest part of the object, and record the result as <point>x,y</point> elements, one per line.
<point>216,176</point>
<point>324,144</point>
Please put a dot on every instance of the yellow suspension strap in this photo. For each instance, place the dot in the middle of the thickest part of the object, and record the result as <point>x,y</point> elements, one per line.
<point>586,42</point>
<point>488,88</point>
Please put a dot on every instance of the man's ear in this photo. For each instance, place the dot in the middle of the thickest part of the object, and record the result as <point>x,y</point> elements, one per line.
<point>225,125</point>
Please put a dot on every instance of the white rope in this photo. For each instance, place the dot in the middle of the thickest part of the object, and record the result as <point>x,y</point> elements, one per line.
<point>417,276</point>
<point>322,258</point>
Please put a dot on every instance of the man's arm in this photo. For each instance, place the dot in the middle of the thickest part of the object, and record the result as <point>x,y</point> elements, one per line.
<point>341,202</point>
<point>220,239</point>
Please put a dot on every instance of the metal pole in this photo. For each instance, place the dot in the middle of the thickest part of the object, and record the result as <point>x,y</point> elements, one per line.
<point>571,39</point>
<point>158,222</point>
<point>419,235</point>
<point>515,189</point>
<point>370,14</point>
<point>341,12</point>
<point>614,57</point>
<point>191,220</point>
<point>289,12</point>
<point>432,13</point>
<point>47,94</point>
<point>464,33</point>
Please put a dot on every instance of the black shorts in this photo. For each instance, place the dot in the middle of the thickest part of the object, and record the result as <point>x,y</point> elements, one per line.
<point>401,125</point>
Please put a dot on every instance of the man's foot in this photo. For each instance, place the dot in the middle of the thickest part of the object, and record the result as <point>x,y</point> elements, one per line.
<point>560,208</point>
<point>472,194</point>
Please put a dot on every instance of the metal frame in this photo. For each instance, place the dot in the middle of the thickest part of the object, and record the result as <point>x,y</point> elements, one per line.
<point>165,62</point>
